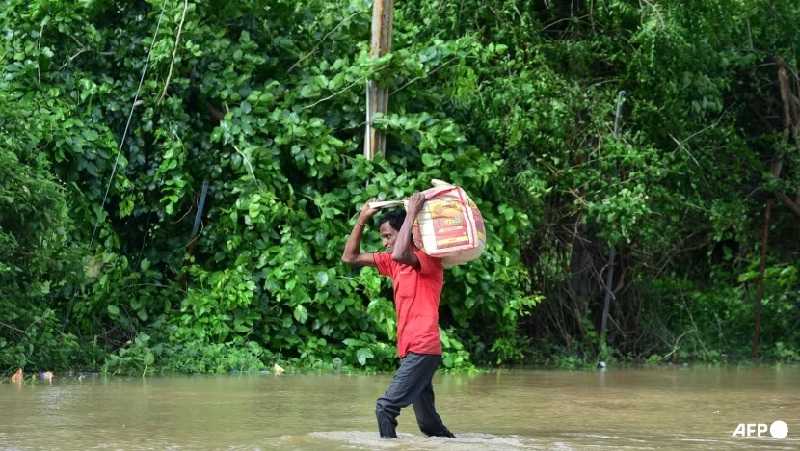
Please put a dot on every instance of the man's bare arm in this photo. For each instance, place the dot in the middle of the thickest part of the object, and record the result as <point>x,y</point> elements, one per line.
<point>402,251</point>
<point>352,254</point>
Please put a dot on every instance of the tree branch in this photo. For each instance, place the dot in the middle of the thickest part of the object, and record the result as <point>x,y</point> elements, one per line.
<point>789,203</point>
<point>174,50</point>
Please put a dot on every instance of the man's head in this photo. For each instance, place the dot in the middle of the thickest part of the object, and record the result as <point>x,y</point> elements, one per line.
<point>389,224</point>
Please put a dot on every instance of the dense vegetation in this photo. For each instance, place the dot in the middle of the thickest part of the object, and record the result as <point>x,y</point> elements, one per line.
<point>178,178</point>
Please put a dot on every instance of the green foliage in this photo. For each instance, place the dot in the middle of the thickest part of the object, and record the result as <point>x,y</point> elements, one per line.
<point>515,101</point>
<point>38,265</point>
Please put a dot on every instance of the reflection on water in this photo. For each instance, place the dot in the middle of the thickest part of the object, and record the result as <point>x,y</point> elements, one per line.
<point>677,408</point>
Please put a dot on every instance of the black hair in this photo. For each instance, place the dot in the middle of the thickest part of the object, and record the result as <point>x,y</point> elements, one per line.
<point>395,218</point>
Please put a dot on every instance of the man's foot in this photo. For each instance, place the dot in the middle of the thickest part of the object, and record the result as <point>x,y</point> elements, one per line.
<point>445,434</point>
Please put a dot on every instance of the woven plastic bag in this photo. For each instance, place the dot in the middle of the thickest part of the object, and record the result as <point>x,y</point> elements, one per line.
<point>449,225</point>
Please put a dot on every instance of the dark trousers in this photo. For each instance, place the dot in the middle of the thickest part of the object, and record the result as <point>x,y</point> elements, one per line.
<point>411,384</point>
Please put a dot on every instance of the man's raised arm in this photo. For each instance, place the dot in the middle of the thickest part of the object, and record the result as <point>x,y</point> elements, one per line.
<point>352,254</point>
<point>402,251</point>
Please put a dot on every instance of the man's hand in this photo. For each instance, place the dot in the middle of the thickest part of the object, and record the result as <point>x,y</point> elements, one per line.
<point>366,211</point>
<point>415,203</point>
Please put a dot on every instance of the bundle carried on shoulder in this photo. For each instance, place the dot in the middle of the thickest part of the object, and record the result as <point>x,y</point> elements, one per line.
<point>449,225</point>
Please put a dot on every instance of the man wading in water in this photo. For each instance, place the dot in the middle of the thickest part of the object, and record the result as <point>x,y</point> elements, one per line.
<point>417,280</point>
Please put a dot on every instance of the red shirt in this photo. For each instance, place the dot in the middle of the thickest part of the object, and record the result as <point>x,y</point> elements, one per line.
<point>416,301</point>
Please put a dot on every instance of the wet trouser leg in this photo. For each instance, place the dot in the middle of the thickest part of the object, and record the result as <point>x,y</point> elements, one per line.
<point>428,419</point>
<point>411,384</point>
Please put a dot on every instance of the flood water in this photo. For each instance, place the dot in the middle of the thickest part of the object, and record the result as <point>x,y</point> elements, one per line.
<point>658,408</point>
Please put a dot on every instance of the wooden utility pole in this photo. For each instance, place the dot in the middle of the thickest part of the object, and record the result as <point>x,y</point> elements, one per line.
<point>377,97</point>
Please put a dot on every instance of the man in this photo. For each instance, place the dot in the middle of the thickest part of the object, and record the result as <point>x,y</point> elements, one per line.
<point>417,280</point>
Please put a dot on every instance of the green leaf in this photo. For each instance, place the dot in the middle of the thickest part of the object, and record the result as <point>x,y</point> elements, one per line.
<point>322,278</point>
<point>113,310</point>
<point>89,134</point>
<point>301,314</point>
<point>429,160</point>
<point>363,354</point>
<point>448,360</point>
<point>748,276</point>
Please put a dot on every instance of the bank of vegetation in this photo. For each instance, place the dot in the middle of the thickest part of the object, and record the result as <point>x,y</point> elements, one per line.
<point>178,178</point>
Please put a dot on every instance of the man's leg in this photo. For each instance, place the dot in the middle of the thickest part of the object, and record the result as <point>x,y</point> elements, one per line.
<point>428,419</point>
<point>408,382</point>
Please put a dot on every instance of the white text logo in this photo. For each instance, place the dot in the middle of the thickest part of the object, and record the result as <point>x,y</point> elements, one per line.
<point>778,429</point>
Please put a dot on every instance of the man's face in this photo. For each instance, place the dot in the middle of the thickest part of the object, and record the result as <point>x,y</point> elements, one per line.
<point>388,235</point>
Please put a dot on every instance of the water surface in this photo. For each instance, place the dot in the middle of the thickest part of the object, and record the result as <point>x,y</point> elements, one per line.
<point>659,408</point>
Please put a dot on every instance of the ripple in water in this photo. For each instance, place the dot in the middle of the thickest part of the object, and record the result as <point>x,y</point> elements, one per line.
<point>465,441</point>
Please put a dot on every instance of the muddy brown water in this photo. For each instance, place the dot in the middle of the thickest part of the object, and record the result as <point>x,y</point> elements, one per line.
<point>655,408</point>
